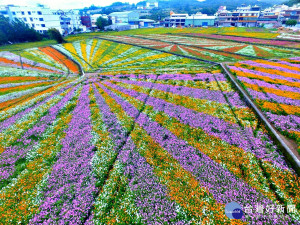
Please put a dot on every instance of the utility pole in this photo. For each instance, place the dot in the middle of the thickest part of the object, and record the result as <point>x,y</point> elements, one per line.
<point>21,61</point>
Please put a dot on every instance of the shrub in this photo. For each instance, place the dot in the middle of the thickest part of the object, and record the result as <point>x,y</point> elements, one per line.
<point>56,35</point>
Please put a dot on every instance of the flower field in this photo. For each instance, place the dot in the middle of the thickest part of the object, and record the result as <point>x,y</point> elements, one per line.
<point>144,137</point>
<point>233,47</point>
<point>253,40</point>
<point>206,54</point>
<point>211,50</point>
<point>44,59</point>
<point>139,149</point>
<point>275,87</point>
<point>95,54</point>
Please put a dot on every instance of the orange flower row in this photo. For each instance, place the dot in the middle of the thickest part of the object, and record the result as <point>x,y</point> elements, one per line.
<point>278,64</point>
<point>262,53</point>
<point>234,49</point>
<point>6,80</point>
<point>22,87</point>
<point>27,98</point>
<point>59,57</point>
<point>277,107</point>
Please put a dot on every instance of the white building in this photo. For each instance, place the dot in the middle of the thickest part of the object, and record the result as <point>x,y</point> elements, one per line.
<point>42,18</point>
<point>175,20</point>
<point>200,20</point>
<point>244,16</point>
<point>151,4</point>
<point>129,17</point>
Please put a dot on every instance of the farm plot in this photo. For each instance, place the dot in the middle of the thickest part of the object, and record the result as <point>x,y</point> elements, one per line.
<point>275,87</point>
<point>253,40</point>
<point>206,54</point>
<point>44,59</point>
<point>118,146</point>
<point>18,86</point>
<point>230,47</point>
<point>140,149</point>
<point>110,57</point>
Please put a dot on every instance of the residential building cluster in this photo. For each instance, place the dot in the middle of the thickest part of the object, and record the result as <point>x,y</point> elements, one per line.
<point>244,16</point>
<point>41,18</point>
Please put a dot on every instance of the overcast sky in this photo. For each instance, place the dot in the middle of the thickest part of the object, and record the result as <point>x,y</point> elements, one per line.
<point>64,4</point>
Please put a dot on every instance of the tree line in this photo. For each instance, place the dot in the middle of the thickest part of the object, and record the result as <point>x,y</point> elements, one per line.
<point>16,31</point>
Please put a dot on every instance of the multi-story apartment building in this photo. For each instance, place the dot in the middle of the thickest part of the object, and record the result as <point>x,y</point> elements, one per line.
<point>42,18</point>
<point>127,17</point>
<point>184,20</point>
<point>200,20</point>
<point>244,16</point>
<point>175,20</point>
<point>292,13</point>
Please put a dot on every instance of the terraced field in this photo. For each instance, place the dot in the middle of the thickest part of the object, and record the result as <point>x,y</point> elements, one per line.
<point>100,132</point>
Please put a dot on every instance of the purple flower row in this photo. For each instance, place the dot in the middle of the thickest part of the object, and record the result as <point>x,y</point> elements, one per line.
<point>287,123</point>
<point>231,133</point>
<point>295,58</point>
<point>211,95</point>
<point>288,63</point>
<point>29,139</point>
<point>263,65</point>
<point>150,196</point>
<point>273,97</point>
<point>70,190</point>
<point>269,85</point>
<point>117,134</point>
<point>272,76</point>
<point>221,183</point>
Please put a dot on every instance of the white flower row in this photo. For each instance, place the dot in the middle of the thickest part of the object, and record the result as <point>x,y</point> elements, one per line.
<point>8,85</point>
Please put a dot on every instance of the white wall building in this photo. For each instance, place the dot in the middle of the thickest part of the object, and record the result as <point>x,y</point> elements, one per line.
<point>151,4</point>
<point>42,18</point>
<point>176,20</point>
<point>130,17</point>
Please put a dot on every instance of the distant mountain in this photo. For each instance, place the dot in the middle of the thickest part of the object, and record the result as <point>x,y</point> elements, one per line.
<point>292,2</point>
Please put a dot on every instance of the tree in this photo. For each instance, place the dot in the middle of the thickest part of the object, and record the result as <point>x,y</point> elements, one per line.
<point>56,35</point>
<point>291,22</point>
<point>16,31</point>
<point>102,22</point>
